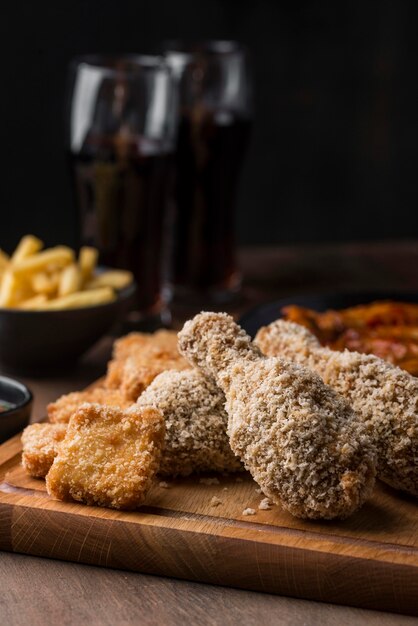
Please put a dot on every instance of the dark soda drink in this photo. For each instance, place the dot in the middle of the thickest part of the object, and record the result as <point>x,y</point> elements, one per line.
<point>120,188</point>
<point>121,121</point>
<point>210,149</point>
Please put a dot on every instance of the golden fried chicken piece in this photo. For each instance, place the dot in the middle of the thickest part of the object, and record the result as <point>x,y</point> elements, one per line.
<point>196,422</point>
<point>138,358</point>
<point>62,409</point>
<point>40,446</point>
<point>301,442</point>
<point>384,397</point>
<point>109,456</point>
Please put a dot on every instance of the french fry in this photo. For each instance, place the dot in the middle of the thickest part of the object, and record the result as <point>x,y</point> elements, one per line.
<point>26,247</point>
<point>36,279</point>
<point>14,290</point>
<point>87,260</point>
<point>79,299</point>
<point>117,279</point>
<point>32,303</point>
<point>44,283</point>
<point>8,288</point>
<point>60,256</point>
<point>70,280</point>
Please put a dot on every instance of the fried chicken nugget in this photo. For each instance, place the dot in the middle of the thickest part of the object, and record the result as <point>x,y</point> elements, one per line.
<point>138,358</point>
<point>301,442</point>
<point>40,447</point>
<point>62,409</point>
<point>383,396</point>
<point>109,456</point>
<point>196,422</point>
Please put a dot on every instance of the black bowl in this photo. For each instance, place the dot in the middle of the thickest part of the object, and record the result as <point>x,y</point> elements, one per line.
<point>38,342</point>
<point>13,420</point>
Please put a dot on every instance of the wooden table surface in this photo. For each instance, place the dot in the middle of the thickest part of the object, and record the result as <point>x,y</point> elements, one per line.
<point>40,591</point>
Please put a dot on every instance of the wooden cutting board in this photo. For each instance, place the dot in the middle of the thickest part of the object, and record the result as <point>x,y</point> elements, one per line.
<point>370,560</point>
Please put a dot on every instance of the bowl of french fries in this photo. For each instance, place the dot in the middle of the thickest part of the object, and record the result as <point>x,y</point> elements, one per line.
<point>55,304</point>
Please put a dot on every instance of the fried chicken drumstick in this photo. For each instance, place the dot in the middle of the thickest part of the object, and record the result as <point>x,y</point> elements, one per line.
<point>383,396</point>
<point>195,419</point>
<point>301,442</point>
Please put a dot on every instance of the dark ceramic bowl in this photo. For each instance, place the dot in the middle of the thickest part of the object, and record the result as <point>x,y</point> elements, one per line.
<point>13,420</point>
<point>38,342</point>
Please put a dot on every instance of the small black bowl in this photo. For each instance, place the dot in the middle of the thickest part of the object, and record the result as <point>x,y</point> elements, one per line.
<point>13,420</point>
<point>40,342</point>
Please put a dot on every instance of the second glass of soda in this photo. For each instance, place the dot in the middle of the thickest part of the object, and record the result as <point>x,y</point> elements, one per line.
<point>215,109</point>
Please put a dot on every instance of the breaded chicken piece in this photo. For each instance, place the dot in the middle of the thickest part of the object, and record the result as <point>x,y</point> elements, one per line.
<point>196,422</point>
<point>40,446</point>
<point>301,442</point>
<point>383,396</point>
<point>62,409</point>
<point>109,456</point>
<point>138,358</point>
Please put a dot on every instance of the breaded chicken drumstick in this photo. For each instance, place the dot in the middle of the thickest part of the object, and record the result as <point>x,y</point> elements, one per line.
<point>383,396</point>
<point>301,442</point>
<point>195,420</point>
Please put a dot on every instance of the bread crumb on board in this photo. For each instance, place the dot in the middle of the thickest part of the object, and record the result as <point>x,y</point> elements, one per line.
<point>249,511</point>
<point>265,505</point>
<point>215,501</point>
<point>163,484</point>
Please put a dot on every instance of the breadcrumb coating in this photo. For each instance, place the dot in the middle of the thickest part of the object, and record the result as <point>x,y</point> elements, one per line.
<point>40,446</point>
<point>109,456</point>
<point>212,342</point>
<point>62,409</point>
<point>301,442</point>
<point>196,421</point>
<point>138,358</point>
<point>383,396</point>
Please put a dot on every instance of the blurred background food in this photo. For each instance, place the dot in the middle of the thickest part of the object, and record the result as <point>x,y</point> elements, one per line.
<point>387,329</point>
<point>44,280</point>
<point>333,150</point>
<point>55,304</point>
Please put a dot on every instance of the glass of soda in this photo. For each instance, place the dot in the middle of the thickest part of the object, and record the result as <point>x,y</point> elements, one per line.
<point>215,111</point>
<point>121,132</point>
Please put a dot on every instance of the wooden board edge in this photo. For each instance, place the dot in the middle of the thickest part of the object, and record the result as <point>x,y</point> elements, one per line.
<point>206,525</point>
<point>209,558</point>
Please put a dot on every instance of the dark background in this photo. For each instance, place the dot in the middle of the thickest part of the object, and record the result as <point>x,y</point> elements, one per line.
<point>334,148</point>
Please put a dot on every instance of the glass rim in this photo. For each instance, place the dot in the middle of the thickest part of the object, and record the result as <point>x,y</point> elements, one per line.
<point>112,64</point>
<point>222,47</point>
